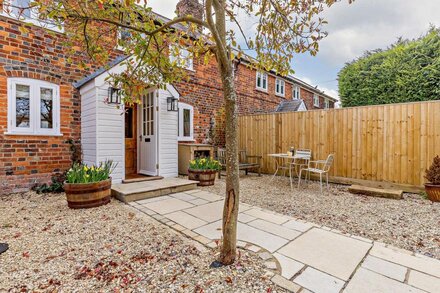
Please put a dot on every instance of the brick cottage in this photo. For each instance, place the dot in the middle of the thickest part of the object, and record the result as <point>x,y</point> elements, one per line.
<point>49,107</point>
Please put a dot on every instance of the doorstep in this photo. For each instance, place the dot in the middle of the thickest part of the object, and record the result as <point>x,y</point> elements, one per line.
<point>148,189</point>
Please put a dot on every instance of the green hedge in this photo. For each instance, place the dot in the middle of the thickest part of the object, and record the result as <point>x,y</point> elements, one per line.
<point>408,71</point>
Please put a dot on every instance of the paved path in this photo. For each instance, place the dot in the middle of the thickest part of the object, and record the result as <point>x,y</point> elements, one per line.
<point>303,257</point>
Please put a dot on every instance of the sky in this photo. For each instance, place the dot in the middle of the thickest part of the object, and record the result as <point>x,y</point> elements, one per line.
<point>352,30</point>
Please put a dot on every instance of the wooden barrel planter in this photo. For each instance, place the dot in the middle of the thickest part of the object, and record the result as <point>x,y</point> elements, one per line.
<point>433,191</point>
<point>205,177</point>
<point>88,195</point>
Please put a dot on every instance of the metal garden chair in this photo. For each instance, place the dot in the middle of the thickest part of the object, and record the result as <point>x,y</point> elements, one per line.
<point>319,167</point>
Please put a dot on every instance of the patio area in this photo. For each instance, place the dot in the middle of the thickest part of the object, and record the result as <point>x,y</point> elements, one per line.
<point>302,255</point>
<point>411,223</point>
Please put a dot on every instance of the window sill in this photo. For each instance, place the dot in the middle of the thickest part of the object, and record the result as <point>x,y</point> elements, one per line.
<point>280,95</point>
<point>185,139</point>
<point>31,134</point>
<point>261,90</point>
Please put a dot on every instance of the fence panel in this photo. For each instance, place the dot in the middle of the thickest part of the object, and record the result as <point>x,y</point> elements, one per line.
<point>385,143</point>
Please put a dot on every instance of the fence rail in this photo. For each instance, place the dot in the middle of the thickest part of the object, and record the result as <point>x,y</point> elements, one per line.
<point>390,143</point>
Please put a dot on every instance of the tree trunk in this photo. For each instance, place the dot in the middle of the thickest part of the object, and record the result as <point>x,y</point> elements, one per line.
<point>230,210</point>
<point>226,69</point>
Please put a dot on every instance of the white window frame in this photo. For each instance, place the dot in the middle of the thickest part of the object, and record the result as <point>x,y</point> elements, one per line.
<point>33,20</point>
<point>280,87</point>
<point>296,92</point>
<point>34,107</point>
<point>316,100</point>
<point>263,76</point>
<point>184,58</point>
<point>180,137</point>
<point>326,104</point>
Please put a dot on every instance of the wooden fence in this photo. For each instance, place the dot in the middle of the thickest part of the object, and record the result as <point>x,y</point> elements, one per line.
<point>386,143</point>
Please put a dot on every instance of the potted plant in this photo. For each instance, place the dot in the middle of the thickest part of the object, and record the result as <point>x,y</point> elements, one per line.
<point>88,187</point>
<point>433,176</point>
<point>203,170</point>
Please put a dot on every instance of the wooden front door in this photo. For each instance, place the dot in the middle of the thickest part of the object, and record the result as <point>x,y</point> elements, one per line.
<point>130,140</point>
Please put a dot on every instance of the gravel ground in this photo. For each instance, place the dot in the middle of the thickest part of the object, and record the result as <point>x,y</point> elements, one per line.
<point>412,223</point>
<point>56,249</point>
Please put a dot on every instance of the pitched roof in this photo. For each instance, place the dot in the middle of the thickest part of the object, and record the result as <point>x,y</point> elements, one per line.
<point>100,71</point>
<point>289,106</point>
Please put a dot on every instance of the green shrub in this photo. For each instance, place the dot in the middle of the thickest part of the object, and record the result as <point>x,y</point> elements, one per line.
<point>56,186</point>
<point>408,71</point>
<point>204,164</point>
<point>433,173</point>
<point>81,173</point>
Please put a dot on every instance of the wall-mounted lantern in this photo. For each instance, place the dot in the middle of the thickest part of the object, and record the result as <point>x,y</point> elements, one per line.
<point>172,104</point>
<point>114,95</point>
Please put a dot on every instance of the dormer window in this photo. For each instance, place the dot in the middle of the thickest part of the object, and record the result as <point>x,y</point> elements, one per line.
<point>279,87</point>
<point>261,82</point>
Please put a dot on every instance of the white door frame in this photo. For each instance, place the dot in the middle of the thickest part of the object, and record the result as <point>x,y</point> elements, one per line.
<point>154,171</point>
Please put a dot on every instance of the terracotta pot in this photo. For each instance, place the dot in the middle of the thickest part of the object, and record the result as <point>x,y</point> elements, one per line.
<point>88,195</point>
<point>433,191</point>
<point>205,177</point>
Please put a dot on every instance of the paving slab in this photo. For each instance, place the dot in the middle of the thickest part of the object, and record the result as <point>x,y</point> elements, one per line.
<point>275,229</point>
<point>245,218</point>
<point>183,196</point>
<point>299,226</point>
<point>167,206</point>
<point>276,219</point>
<point>365,281</point>
<point>286,284</point>
<point>289,267</point>
<point>328,252</point>
<point>385,268</point>
<point>319,282</point>
<point>153,199</point>
<point>209,212</point>
<point>426,265</point>
<point>206,196</point>
<point>185,220</point>
<point>245,233</point>
<point>424,281</point>
<point>198,201</point>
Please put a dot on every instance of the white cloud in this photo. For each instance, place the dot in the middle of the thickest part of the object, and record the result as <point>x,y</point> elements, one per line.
<point>371,24</point>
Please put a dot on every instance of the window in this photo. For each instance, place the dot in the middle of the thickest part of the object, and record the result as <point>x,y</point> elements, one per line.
<point>182,57</point>
<point>262,81</point>
<point>33,107</point>
<point>296,92</point>
<point>21,9</point>
<point>315,100</point>
<point>279,87</point>
<point>326,104</point>
<point>186,117</point>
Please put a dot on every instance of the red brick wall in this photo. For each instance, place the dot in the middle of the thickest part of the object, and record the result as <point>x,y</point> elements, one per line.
<point>203,91</point>
<point>38,54</point>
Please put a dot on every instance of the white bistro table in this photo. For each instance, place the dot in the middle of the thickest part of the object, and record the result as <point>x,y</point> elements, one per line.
<point>284,162</point>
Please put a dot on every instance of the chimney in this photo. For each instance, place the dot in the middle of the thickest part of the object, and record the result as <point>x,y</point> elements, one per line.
<point>189,7</point>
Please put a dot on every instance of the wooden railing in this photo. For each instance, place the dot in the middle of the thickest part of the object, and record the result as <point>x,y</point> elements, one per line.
<point>385,143</point>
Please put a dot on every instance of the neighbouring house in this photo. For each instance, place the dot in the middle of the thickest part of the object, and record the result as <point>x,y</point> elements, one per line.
<point>49,106</point>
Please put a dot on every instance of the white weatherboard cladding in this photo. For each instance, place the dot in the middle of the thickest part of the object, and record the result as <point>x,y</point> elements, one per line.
<point>88,123</point>
<point>102,128</point>
<point>168,124</point>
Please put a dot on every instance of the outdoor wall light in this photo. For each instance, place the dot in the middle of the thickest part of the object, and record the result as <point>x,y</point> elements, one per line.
<point>172,104</point>
<point>114,95</point>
